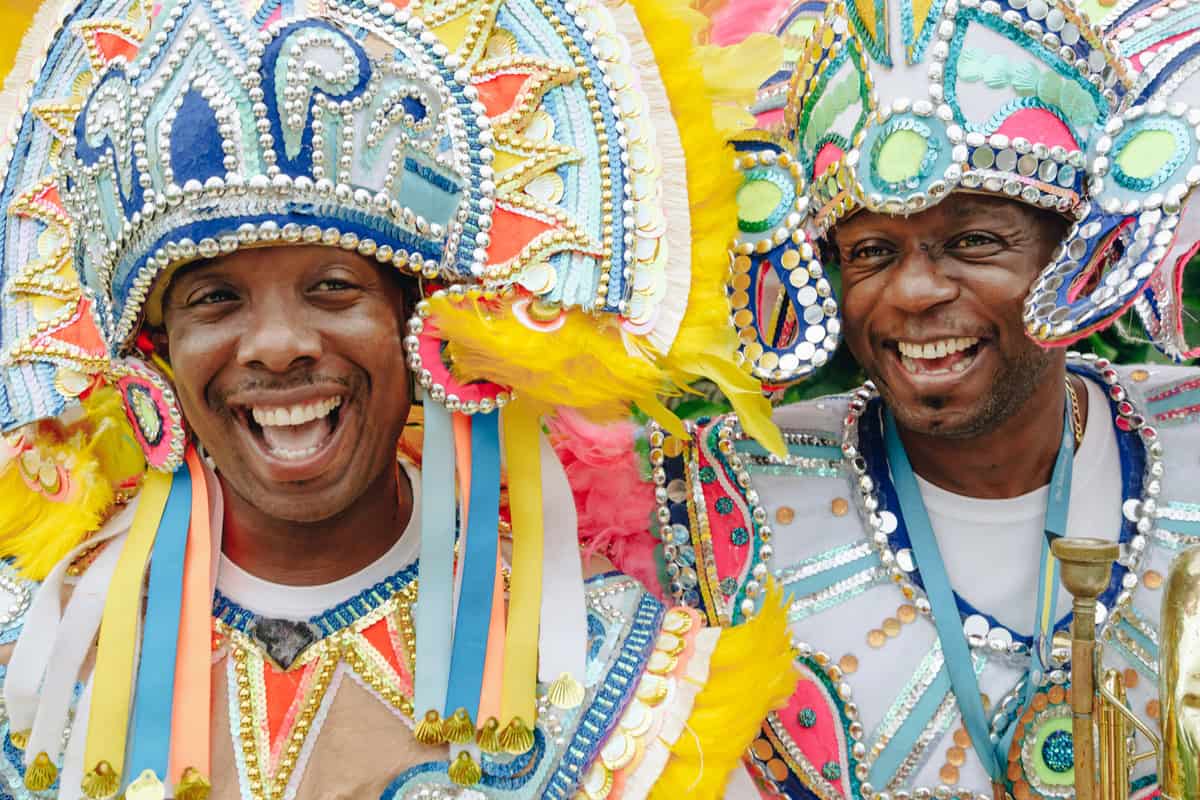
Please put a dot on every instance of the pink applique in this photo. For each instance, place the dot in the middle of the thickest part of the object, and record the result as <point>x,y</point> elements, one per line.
<point>1181,265</point>
<point>1038,125</point>
<point>770,118</point>
<point>1138,60</point>
<point>829,153</point>
<point>731,560</point>
<point>824,741</point>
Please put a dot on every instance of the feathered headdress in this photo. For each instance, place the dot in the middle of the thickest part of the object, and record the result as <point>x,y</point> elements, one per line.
<point>542,168</point>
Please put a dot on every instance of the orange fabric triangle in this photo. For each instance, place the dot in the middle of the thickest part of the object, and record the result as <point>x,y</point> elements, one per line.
<point>80,332</point>
<point>49,198</point>
<point>511,232</point>
<point>110,45</point>
<point>285,692</point>
<point>499,93</point>
<point>381,639</point>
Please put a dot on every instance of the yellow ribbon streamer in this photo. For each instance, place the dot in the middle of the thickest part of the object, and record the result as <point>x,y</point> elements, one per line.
<point>522,451</point>
<point>113,684</point>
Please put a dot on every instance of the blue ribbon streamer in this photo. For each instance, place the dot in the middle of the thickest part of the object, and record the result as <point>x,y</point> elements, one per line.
<point>435,598</point>
<point>154,695</point>
<point>478,569</point>
<point>946,618</point>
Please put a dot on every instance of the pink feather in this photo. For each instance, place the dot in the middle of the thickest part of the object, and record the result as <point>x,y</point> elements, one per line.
<point>737,19</point>
<point>615,504</point>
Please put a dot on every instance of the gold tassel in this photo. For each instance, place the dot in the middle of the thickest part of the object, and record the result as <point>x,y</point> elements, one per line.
<point>517,738</point>
<point>565,692</point>
<point>41,774</point>
<point>20,739</point>
<point>102,782</point>
<point>459,729</point>
<point>430,730</point>
<point>192,786</point>
<point>146,786</point>
<point>464,771</point>
<point>489,736</point>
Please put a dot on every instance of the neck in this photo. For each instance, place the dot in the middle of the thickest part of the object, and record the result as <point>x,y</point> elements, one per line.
<point>1014,458</point>
<point>315,553</point>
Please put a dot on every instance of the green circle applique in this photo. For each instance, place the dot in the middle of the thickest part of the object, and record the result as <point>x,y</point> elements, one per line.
<point>1146,153</point>
<point>901,155</point>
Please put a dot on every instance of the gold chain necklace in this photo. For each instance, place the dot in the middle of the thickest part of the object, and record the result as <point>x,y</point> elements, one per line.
<point>1076,412</point>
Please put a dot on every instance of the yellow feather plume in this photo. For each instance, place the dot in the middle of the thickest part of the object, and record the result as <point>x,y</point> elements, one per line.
<point>61,478</point>
<point>591,369</point>
<point>752,673</point>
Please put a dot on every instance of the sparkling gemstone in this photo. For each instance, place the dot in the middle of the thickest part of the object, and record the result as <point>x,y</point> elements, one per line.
<point>1058,751</point>
<point>807,718</point>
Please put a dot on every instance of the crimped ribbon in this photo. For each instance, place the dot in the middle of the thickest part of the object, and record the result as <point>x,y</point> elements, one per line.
<point>473,616</point>
<point>435,603</point>
<point>563,642</point>
<point>108,723</point>
<point>31,656</point>
<point>153,699</point>
<point>523,455</point>
<point>193,668</point>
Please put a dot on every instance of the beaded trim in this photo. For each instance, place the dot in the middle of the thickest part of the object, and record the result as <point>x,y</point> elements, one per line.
<point>334,620</point>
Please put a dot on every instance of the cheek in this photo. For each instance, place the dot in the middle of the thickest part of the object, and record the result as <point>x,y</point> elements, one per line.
<point>196,358</point>
<point>857,302</point>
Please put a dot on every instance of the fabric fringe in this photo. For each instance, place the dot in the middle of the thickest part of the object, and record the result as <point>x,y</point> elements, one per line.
<point>61,479</point>
<point>710,89</point>
<point>750,674</point>
<point>30,41</point>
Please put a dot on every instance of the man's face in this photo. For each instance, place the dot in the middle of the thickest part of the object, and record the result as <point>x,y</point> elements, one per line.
<point>932,306</point>
<point>289,366</point>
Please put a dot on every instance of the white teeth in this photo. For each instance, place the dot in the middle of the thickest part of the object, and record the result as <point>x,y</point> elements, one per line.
<point>294,415</point>
<point>938,349</point>
<point>295,454</point>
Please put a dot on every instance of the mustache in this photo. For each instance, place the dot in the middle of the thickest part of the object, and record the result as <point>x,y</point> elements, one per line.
<point>282,383</point>
<point>916,329</point>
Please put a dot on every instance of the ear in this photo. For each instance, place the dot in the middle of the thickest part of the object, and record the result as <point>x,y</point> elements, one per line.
<point>161,342</point>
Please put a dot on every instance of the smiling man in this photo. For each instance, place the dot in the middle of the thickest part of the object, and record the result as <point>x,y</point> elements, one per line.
<point>236,253</point>
<point>986,181</point>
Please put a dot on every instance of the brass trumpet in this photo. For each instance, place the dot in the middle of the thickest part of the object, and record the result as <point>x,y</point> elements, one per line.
<point>1104,726</point>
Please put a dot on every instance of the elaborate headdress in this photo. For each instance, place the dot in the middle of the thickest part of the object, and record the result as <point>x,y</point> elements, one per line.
<point>893,106</point>
<point>532,162</point>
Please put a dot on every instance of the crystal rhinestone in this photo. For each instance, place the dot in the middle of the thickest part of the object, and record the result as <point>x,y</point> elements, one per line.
<point>1058,751</point>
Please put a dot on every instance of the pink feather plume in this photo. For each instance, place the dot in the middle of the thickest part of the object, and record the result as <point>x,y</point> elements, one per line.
<point>615,504</point>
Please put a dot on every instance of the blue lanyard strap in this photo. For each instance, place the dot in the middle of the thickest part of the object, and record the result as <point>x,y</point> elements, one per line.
<point>943,604</point>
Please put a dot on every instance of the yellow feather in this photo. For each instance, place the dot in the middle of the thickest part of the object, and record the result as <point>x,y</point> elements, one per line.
<point>98,454</point>
<point>751,674</point>
<point>592,369</point>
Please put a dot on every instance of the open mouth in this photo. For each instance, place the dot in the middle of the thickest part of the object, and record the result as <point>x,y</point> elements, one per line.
<point>948,356</point>
<point>294,432</point>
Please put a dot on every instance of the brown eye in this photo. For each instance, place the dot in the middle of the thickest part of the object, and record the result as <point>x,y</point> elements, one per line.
<point>976,239</point>
<point>211,297</point>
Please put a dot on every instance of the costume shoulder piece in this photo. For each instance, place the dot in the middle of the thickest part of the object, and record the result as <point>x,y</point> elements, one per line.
<point>873,710</point>
<point>538,168</point>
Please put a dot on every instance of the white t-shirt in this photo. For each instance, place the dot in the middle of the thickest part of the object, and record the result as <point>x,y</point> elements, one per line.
<point>992,547</point>
<point>279,601</point>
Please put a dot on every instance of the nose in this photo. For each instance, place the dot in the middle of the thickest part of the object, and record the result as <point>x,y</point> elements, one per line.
<point>278,336</point>
<point>919,283</point>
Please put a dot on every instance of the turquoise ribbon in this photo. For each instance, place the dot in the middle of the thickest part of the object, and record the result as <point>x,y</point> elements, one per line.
<point>435,587</point>
<point>154,696</point>
<point>478,569</point>
<point>946,618</point>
